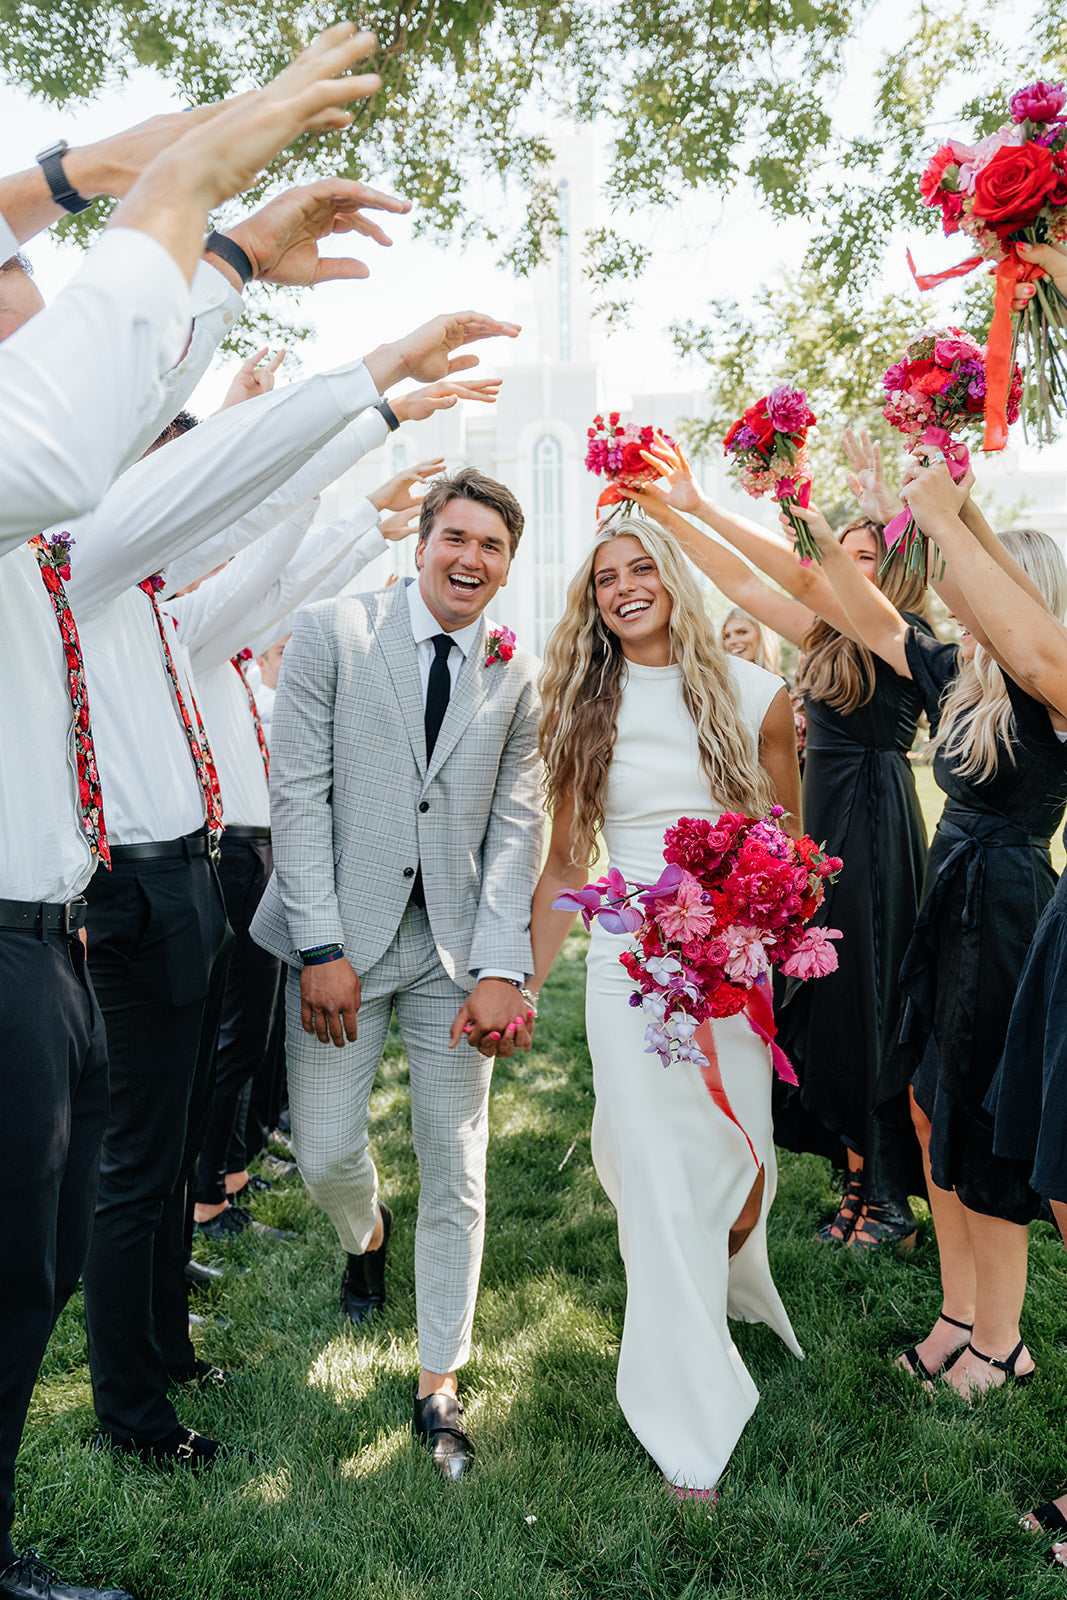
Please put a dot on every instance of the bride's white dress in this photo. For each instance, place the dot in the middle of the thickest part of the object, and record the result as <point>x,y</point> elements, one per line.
<point>676,1170</point>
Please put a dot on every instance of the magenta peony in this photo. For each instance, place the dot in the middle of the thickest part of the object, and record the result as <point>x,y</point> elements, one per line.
<point>788,409</point>
<point>1038,102</point>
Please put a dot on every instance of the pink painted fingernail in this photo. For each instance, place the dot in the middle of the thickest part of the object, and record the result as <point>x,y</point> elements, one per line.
<point>492,1036</point>
<point>513,1025</point>
<point>529,1016</point>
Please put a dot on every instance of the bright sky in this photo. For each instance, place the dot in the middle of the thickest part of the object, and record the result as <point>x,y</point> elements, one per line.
<point>707,247</point>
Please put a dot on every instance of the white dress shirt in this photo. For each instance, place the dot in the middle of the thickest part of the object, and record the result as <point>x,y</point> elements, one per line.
<point>425,627</point>
<point>198,485</point>
<point>44,853</point>
<point>213,625</point>
<point>80,381</point>
<point>342,452</point>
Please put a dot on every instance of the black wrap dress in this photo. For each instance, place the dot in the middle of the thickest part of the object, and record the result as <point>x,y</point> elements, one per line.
<point>988,879</point>
<point>1028,1099</point>
<point>859,796</point>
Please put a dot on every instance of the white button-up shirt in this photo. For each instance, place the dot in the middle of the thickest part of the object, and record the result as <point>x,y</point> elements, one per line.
<point>81,380</point>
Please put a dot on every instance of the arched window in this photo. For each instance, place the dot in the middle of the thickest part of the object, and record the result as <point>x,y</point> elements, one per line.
<point>547,529</point>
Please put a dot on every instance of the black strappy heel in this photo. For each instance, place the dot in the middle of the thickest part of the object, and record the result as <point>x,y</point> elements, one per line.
<point>1007,1366</point>
<point>838,1229</point>
<point>915,1361</point>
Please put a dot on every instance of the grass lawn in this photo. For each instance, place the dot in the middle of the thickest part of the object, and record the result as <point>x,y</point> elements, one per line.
<point>849,1483</point>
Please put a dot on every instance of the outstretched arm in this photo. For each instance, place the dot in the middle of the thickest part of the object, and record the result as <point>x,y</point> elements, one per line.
<point>872,619</point>
<point>678,488</point>
<point>1023,634</point>
<point>728,572</point>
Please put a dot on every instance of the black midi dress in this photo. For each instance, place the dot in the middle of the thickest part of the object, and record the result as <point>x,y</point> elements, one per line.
<point>988,879</point>
<point>1028,1097</point>
<point>859,796</point>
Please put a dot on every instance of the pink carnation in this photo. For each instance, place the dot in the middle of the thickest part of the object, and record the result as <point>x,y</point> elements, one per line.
<point>814,956</point>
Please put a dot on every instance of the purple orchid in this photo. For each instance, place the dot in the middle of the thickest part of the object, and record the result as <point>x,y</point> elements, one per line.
<point>664,886</point>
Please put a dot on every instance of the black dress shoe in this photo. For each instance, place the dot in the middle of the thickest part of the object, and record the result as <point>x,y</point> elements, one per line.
<point>181,1447</point>
<point>436,1422</point>
<point>29,1579</point>
<point>199,1276</point>
<point>363,1284</point>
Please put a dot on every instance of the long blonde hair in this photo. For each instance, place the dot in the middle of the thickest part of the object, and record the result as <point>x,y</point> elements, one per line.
<point>977,723</point>
<point>581,689</point>
<point>836,669</point>
<point>767,652</point>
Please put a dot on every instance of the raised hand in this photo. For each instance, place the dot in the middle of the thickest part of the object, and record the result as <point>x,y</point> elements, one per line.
<point>931,493</point>
<point>1053,258</point>
<point>281,240</point>
<point>422,403</point>
<point>867,478</point>
<point>427,353</point>
<point>396,495</point>
<point>251,379</point>
<point>818,526</point>
<point>401,525</point>
<point>676,485</point>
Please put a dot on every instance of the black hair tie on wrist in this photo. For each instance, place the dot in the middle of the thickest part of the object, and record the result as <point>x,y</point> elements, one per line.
<point>221,245</point>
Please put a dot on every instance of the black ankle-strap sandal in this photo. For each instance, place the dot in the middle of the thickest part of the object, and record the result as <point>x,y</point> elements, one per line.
<point>837,1230</point>
<point>918,1365</point>
<point>1007,1366</point>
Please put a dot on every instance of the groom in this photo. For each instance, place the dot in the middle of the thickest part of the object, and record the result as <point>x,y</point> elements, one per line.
<point>406,823</point>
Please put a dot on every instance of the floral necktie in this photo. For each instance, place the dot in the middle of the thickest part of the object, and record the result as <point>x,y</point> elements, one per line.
<point>239,663</point>
<point>199,748</point>
<point>52,558</point>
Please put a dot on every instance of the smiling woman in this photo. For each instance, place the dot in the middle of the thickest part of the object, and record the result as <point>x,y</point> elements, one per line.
<point>645,718</point>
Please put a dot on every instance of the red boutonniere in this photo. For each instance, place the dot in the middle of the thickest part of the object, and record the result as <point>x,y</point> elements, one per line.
<point>501,645</point>
<point>59,548</point>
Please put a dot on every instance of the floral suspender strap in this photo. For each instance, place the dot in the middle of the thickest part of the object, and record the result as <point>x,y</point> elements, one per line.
<point>239,663</point>
<point>198,745</point>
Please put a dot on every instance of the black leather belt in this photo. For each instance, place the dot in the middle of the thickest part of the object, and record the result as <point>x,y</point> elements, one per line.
<point>192,844</point>
<point>237,830</point>
<point>39,916</point>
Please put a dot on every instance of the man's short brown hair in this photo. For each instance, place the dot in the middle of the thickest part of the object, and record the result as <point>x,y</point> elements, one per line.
<point>470,484</point>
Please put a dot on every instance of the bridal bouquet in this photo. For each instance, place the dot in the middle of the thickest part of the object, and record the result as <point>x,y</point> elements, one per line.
<point>769,448</point>
<point>934,392</point>
<point>1012,187</point>
<point>734,899</point>
<point>616,451</point>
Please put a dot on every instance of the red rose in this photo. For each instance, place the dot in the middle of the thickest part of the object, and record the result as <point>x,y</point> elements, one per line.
<point>632,459</point>
<point>757,419</point>
<point>951,211</point>
<point>51,579</point>
<point>1013,186</point>
<point>1057,194</point>
<point>84,791</point>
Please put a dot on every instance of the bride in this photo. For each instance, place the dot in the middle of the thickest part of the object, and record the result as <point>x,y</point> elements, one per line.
<point>645,720</point>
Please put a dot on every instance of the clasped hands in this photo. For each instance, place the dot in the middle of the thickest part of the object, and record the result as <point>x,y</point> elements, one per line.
<point>494,1018</point>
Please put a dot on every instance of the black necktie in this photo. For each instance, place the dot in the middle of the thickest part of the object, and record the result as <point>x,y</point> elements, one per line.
<point>437,690</point>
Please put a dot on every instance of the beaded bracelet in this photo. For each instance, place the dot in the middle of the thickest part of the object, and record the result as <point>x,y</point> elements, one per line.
<point>318,955</point>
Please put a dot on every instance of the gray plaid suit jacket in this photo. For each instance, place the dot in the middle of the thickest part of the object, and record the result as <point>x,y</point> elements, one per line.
<point>354,809</point>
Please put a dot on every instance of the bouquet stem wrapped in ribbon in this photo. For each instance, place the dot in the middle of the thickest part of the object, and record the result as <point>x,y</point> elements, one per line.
<point>734,899</point>
<point>616,452</point>
<point>1009,189</point>
<point>769,448</point>
<point>936,390</point>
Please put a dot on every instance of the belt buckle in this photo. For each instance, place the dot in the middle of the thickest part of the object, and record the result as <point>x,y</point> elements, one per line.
<point>72,906</point>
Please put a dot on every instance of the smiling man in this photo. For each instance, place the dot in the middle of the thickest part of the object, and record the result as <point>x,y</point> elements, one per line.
<point>406,821</point>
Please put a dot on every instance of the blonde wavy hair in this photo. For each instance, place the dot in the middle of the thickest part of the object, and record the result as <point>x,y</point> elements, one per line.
<point>976,719</point>
<point>834,668</point>
<point>767,653</point>
<point>581,688</point>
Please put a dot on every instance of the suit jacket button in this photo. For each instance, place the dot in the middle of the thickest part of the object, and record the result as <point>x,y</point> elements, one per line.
<point>409,872</point>
<point>424,805</point>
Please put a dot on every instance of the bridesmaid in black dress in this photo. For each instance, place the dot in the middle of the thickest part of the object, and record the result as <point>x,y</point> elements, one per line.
<point>859,797</point>
<point>988,880</point>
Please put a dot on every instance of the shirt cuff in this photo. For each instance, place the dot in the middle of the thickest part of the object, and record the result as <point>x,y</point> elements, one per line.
<point>498,972</point>
<point>353,389</point>
<point>9,245</point>
<point>210,288</point>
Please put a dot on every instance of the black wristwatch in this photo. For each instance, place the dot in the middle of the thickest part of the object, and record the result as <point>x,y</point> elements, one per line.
<point>51,164</point>
<point>392,421</point>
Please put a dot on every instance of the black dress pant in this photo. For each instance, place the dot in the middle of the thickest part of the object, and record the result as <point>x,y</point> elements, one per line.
<point>53,1110</point>
<point>263,1101</point>
<point>158,949</point>
<point>248,1010</point>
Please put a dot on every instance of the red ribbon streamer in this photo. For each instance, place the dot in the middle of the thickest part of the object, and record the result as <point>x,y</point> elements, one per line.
<point>998,357</point>
<point>930,280</point>
<point>759,1014</point>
